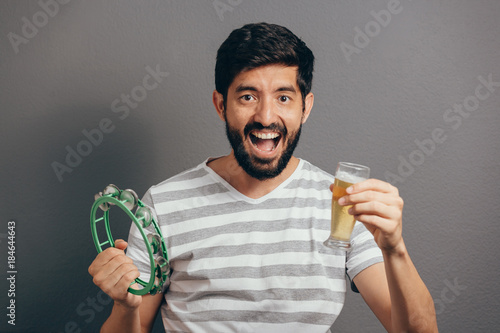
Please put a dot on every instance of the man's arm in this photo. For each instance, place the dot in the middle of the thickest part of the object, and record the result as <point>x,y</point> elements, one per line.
<point>141,319</point>
<point>393,290</point>
<point>113,272</point>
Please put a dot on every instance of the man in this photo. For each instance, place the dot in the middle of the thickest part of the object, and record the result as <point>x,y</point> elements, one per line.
<point>244,232</point>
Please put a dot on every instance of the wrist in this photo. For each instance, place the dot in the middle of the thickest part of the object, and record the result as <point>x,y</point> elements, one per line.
<point>123,318</point>
<point>123,307</point>
<point>399,250</point>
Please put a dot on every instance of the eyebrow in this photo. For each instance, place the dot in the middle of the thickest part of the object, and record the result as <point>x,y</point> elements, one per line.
<point>287,88</point>
<point>241,88</point>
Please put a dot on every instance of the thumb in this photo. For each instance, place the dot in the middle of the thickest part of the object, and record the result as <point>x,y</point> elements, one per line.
<point>121,244</point>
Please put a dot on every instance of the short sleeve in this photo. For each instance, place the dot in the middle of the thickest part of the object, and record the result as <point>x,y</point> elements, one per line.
<point>364,252</point>
<point>136,249</point>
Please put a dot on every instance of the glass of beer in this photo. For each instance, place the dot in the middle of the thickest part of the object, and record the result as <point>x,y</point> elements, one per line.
<point>343,222</point>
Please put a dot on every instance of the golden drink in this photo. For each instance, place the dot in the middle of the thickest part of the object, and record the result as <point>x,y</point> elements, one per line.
<point>342,221</point>
<point>346,175</point>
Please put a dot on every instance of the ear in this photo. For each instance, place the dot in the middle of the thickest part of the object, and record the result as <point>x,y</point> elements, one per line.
<point>308,101</point>
<point>218,101</point>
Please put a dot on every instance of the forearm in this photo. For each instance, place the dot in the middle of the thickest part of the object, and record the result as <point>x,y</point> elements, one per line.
<point>122,319</point>
<point>412,307</point>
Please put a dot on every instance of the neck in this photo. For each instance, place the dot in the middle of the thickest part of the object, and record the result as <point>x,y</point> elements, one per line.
<point>228,168</point>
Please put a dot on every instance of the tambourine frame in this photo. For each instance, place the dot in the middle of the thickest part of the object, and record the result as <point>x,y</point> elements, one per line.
<point>155,271</point>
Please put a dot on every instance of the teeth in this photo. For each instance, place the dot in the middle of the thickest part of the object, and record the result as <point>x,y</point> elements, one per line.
<point>265,135</point>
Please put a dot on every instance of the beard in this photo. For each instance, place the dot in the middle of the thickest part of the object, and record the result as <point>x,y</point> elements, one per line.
<point>260,168</point>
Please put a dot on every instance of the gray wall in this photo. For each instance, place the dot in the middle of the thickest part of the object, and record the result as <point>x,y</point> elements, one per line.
<point>393,103</point>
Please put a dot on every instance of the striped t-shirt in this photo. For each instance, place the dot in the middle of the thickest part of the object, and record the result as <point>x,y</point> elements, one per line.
<point>251,265</point>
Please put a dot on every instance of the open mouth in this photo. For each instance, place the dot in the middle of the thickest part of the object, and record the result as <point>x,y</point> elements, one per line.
<point>265,142</point>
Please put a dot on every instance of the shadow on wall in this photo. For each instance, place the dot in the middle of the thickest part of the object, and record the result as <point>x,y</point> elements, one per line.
<point>110,152</point>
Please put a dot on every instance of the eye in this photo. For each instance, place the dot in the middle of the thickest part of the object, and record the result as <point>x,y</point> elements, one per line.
<point>247,98</point>
<point>284,99</point>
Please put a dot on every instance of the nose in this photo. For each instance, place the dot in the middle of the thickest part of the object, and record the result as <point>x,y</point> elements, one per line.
<point>266,113</point>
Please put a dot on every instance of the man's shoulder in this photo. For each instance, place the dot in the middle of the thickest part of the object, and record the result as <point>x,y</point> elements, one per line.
<point>315,172</point>
<point>181,185</point>
<point>180,181</point>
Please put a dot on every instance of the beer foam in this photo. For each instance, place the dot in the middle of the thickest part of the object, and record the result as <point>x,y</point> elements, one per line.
<point>348,178</point>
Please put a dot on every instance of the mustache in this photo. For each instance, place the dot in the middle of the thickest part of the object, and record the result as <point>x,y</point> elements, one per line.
<point>274,127</point>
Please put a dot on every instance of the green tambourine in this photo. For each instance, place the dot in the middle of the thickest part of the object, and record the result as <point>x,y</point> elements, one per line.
<point>128,200</point>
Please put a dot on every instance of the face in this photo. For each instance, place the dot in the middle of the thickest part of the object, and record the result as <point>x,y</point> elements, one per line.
<point>264,116</point>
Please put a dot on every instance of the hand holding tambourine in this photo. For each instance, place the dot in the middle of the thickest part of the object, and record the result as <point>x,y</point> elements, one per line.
<point>144,219</point>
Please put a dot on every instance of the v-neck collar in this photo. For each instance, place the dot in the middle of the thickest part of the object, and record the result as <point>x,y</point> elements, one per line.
<point>240,196</point>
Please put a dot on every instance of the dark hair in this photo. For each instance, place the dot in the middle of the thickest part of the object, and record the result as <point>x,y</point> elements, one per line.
<point>259,44</point>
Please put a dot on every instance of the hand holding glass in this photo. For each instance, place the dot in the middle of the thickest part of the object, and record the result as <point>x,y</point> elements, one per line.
<point>346,175</point>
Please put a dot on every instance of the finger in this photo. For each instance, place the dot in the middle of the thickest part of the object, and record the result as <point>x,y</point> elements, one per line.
<point>372,184</point>
<point>370,195</point>
<point>375,208</point>
<point>127,277</point>
<point>121,244</point>
<point>116,285</point>
<point>108,275</point>
<point>116,266</point>
<point>374,222</point>
<point>108,260</point>
<point>109,253</point>
<point>101,259</point>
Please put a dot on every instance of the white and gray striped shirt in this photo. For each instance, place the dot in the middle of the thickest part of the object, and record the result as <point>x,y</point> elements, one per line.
<point>251,265</point>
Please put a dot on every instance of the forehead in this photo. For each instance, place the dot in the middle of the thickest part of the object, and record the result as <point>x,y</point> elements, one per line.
<point>267,77</point>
